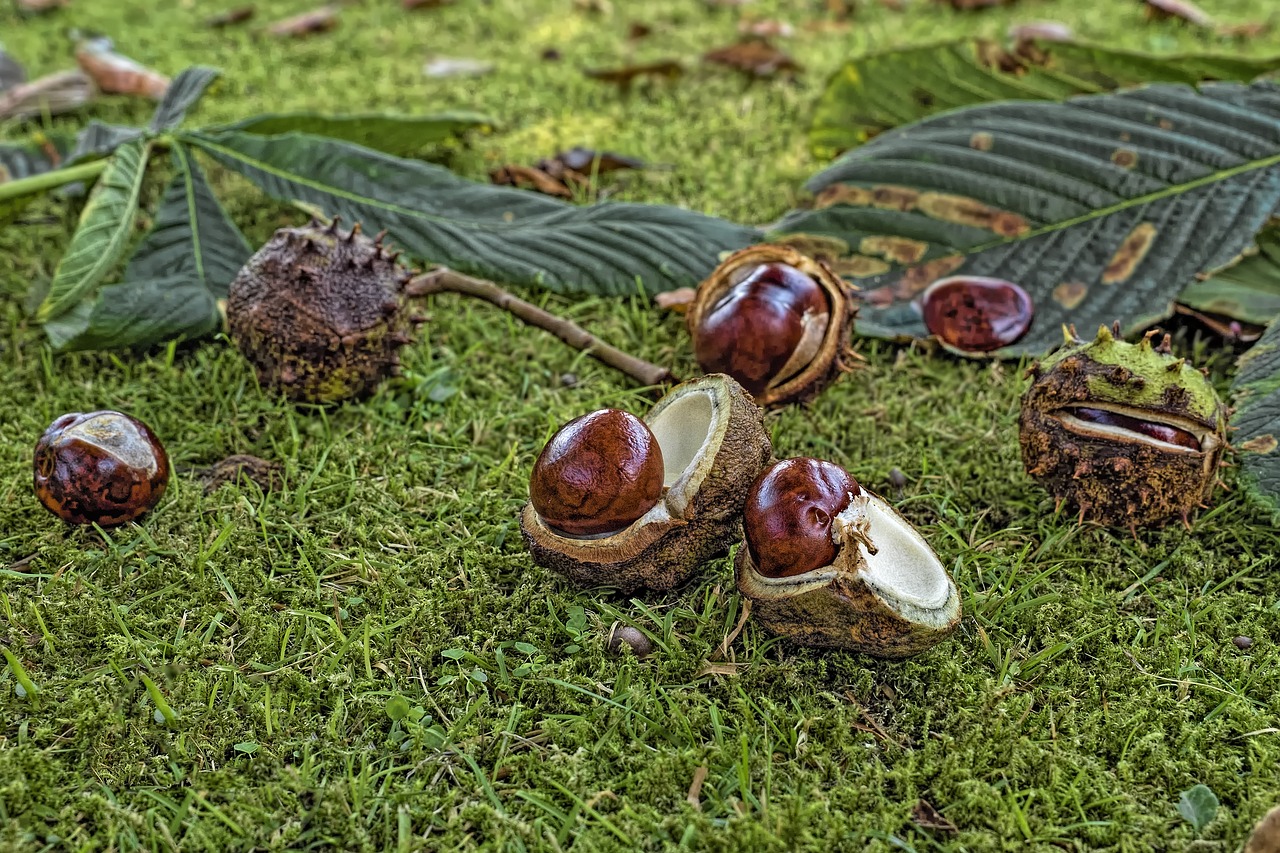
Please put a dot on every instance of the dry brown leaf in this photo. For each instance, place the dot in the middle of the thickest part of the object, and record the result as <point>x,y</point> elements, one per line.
<point>230,18</point>
<point>677,300</point>
<point>1230,329</point>
<point>1160,10</point>
<point>694,797</point>
<point>625,76</point>
<point>116,74</point>
<point>308,23</point>
<point>926,816</point>
<point>42,5</point>
<point>425,4</point>
<point>529,178</point>
<point>992,55</point>
<point>755,58</point>
<point>55,94</point>
<point>230,470</point>
<point>637,30</point>
<point>710,668</point>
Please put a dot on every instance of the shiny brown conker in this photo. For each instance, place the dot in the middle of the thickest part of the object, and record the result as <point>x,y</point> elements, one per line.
<point>102,468</point>
<point>1151,429</point>
<point>598,473</point>
<point>975,313</point>
<point>789,513</point>
<point>752,331</point>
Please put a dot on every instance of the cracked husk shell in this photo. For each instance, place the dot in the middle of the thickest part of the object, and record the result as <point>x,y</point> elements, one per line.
<point>713,445</point>
<point>892,603</point>
<point>318,312</point>
<point>1117,476</point>
<point>832,352</point>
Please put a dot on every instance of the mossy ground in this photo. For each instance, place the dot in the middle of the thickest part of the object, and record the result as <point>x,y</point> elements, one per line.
<point>1093,679</point>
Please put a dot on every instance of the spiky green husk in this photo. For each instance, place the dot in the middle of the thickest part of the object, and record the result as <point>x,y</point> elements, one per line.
<point>318,313</point>
<point>1114,482</point>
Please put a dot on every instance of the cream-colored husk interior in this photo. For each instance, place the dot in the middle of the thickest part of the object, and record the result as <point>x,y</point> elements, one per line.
<point>1208,441</point>
<point>903,565</point>
<point>689,429</point>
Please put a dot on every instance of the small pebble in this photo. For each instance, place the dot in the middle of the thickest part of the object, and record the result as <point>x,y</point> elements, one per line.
<point>633,638</point>
<point>1243,642</point>
<point>897,479</point>
<point>569,380</point>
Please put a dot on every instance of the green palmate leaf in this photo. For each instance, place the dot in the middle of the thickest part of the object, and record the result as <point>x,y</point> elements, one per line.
<point>101,140</point>
<point>175,279</point>
<point>1256,396</point>
<point>183,93</point>
<point>874,93</point>
<point>105,225</point>
<point>504,234</point>
<point>398,135</point>
<point>1103,207</point>
<point>1248,290</point>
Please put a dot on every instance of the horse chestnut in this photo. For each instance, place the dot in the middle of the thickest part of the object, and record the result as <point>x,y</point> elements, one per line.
<point>789,514</point>
<point>755,330</point>
<point>598,474</point>
<point>100,468</point>
<point>976,314</point>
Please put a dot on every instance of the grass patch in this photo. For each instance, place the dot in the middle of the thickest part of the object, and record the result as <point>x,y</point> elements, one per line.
<point>366,658</point>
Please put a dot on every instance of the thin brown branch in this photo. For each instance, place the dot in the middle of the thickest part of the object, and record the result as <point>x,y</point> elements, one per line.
<point>444,280</point>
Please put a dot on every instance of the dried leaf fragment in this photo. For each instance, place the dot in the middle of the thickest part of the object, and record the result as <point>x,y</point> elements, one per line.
<point>530,178</point>
<point>677,300</point>
<point>637,30</point>
<point>116,74</point>
<point>55,94</point>
<point>230,18</point>
<point>967,5</point>
<point>926,816</point>
<point>308,23</point>
<point>755,58</point>
<point>625,76</point>
<point>266,474</point>
<point>425,4</point>
<point>1160,10</point>
<point>1246,30</point>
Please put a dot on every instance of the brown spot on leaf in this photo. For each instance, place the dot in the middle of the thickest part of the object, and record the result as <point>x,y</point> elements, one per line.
<point>898,249</point>
<point>820,247</point>
<point>1070,294</point>
<point>1130,254</point>
<point>858,266</point>
<point>1261,444</point>
<point>842,194</point>
<point>969,211</point>
<point>4,174</point>
<point>1124,136</point>
<point>982,141</point>
<point>1125,158</point>
<point>893,197</point>
<point>1165,124</point>
<point>915,279</point>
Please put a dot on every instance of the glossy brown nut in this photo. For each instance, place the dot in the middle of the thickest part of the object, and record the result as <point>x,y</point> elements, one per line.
<point>789,513</point>
<point>1160,432</point>
<point>597,474</point>
<point>753,329</point>
<point>100,468</point>
<point>976,314</point>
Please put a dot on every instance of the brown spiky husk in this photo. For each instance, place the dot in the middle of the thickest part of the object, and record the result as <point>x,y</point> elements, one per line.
<point>835,354</point>
<point>1115,483</point>
<point>663,554</point>
<point>834,607</point>
<point>317,310</point>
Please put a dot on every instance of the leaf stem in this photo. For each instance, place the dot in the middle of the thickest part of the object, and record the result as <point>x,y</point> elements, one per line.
<point>51,180</point>
<point>444,280</point>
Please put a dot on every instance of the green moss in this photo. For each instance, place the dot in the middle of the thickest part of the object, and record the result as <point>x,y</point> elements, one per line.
<point>1093,678</point>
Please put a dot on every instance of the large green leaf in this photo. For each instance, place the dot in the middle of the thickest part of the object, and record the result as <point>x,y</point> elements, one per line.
<point>1103,207</point>
<point>874,93</point>
<point>105,225</point>
<point>504,234</point>
<point>398,135</point>
<point>1248,290</point>
<point>183,93</point>
<point>174,280</point>
<point>1256,395</point>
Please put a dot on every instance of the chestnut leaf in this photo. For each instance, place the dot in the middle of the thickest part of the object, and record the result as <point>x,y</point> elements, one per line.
<point>400,135</point>
<point>1255,393</point>
<point>493,232</point>
<point>174,280</point>
<point>880,91</point>
<point>1102,207</point>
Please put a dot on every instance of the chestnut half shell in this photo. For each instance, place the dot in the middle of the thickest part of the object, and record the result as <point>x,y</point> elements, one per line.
<point>776,320</point>
<point>885,593</point>
<point>713,444</point>
<point>102,468</point>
